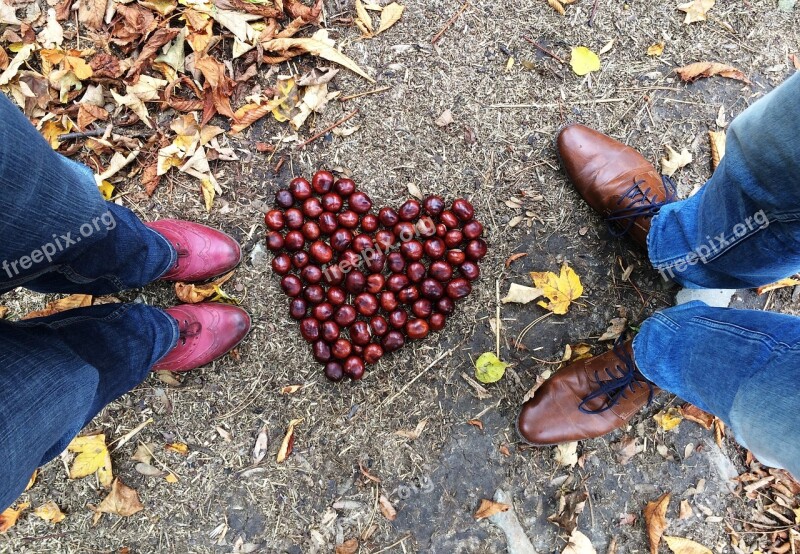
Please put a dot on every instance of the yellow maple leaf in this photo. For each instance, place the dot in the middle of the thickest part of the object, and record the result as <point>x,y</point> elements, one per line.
<point>668,419</point>
<point>10,516</point>
<point>584,61</point>
<point>49,511</point>
<point>561,289</point>
<point>92,457</point>
<point>656,49</point>
<point>680,545</point>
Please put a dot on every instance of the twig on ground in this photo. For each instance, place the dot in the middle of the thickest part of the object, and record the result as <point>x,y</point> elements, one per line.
<point>326,130</point>
<point>365,93</point>
<point>449,22</point>
<point>133,432</point>
<point>593,14</point>
<point>498,324</point>
<point>545,50</point>
<point>418,375</point>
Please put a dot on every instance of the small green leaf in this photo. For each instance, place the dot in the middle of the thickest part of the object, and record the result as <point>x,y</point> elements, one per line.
<point>489,368</point>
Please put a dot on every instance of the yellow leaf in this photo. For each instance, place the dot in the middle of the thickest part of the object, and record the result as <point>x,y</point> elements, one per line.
<point>389,16</point>
<point>80,68</point>
<point>192,293</point>
<point>584,61</point>
<point>561,289</point>
<point>106,189</point>
<point>489,368</point>
<point>179,447</point>
<point>488,508</point>
<point>291,389</point>
<point>557,6</point>
<point>656,49</point>
<point>52,128</point>
<point>509,64</point>
<point>315,48</point>
<point>696,10</point>
<point>92,457</point>
<point>718,142</point>
<point>674,161</point>
<point>49,511</point>
<point>788,282</point>
<point>581,351</point>
<point>32,480</point>
<point>363,16</point>
<point>668,419</point>
<point>796,515</point>
<point>288,441</point>
<point>171,478</point>
<point>207,187</point>
<point>520,294</point>
<point>10,516</point>
<point>679,545</point>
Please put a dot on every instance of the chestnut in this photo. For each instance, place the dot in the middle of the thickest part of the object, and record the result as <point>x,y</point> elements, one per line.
<point>431,289</point>
<point>354,367</point>
<point>293,218</point>
<point>300,259</point>
<point>291,285</point>
<point>388,217</point>
<point>314,294</point>
<point>284,198</point>
<point>322,311</point>
<point>297,308</point>
<point>446,306</point>
<point>384,239</point>
<point>441,230</point>
<point>415,272</point>
<point>422,308</point>
<point>375,261</point>
<point>405,231</point>
<point>455,257</point>
<point>434,248</point>
<point>408,295</point>
<point>425,227</point>
<point>453,238</point>
<point>300,188</point>
<point>274,220</point>
<point>437,322</point>
<point>392,341</point>
<point>379,325</point>
<point>341,349</point>
<point>281,264</point>
<point>361,242</point>
<point>320,252</point>
<point>417,329</point>
<point>358,350</point>
<point>476,249</point>
<point>398,318</point>
<point>274,241</point>
<point>294,240</point>
<point>345,315</point>
<point>354,282</point>
<point>359,202</point>
<point>341,239</point>
<point>472,230</point>
<point>348,218</point>
<point>311,274</point>
<point>375,283</point>
<point>359,333</point>
<point>470,270</point>
<point>463,209</point>
<point>336,296</point>
<point>396,282</point>
<point>388,301</point>
<point>372,353</point>
<point>344,187</point>
<point>396,262</point>
<point>409,210</point>
<point>322,352</point>
<point>310,230</point>
<point>334,371</point>
<point>433,205</point>
<point>309,328</point>
<point>412,250</point>
<point>349,260</point>
<point>369,223</point>
<point>441,271</point>
<point>458,288</point>
<point>332,202</point>
<point>327,223</point>
<point>312,207</point>
<point>366,304</point>
<point>329,331</point>
<point>333,274</point>
<point>322,181</point>
<point>449,219</point>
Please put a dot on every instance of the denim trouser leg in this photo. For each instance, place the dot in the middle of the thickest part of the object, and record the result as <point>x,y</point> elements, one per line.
<point>57,234</point>
<point>58,372</point>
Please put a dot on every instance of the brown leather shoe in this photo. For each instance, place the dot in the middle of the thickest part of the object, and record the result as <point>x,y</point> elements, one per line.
<point>614,179</point>
<point>586,399</point>
<point>203,252</point>
<point>207,332</point>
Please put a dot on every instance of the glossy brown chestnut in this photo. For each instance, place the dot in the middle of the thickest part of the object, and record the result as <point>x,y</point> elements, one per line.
<point>441,230</point>
<point>322,352</point>
<point>388,217</point>
<point>415,272</point>
<point>366,304</point>
<point>322,311</point>
<point>453,238</point>
<point>409,210</point>
<point>441,271</point>
<point>359,333</point>
<point>311,274</point>
<point>348,260</point>
<point>455,257</point>
<point>405,231</point>
<point>369,223</point>
<point>327,223</point>
<point>472,230</point>
<point>354,282</point>
<point>297,308</point>
<point>322,181</point>
<point>470,270</point>
<point>476,249</point>
<point>431,289</point>
<point>375,260</point>
<point>354,367</point>
<point>396,262</point>
<point>398,318</point>
<point>458,288</point>
<point>437,322</point>
<point>332,202</point>
<point>412,250</point>
<point>345,315</point>
<point>314,294</point>
<point>408,295</point>
<point>344,187</point>
<point>388,301</point>
<point>375,283</point>
<point>300,259</point>
<point>274,220</point>
<point>393,340</point>
<point>417,329</point>
<point>292,285</point>
<point>329,331</point>
<point>422,308</point>
<point>372,353</point>
<point>274,241</point>
<point>333,274</point>
<point>434,248</point>
<point>310,230</point>
<point>446,306</point>
<point>294,218</point>
<point>300,188</point>
<point>284,199</point>
<point>463,209</point>
<point>449,219</point>
<point>396,282</point>
<point>433,205</point>
<point>320,252</point>
<point>348,219</point>
<point>309,328</point>
<point>341,349</point>
<point>341,239</point>
<point>361,242</point>
<point>336,296</point>
<point>281,264</point>
<point>379,325</point>
<point>425,227</point>
<point>384,239</point>
<point>359,202</point>
<point>334,371</point>
<point>312,207</point>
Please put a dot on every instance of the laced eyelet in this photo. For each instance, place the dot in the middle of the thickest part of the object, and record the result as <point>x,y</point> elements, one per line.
<point>642,204</point>
<point>621,380</point>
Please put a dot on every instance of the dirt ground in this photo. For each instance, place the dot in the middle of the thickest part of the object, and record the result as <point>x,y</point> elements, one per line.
<point>320,496</point>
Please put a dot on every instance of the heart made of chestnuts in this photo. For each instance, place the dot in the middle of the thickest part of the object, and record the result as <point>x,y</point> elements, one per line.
<point>361,283</point>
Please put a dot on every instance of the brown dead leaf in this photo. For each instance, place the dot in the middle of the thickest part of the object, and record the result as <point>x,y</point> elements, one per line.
<point>9,516</point>
<point>218,88</point>
<point>291,389</point>
<point>504,450</point>
<point>288,441</point>
<point>192,293</point>
<point>696,10</point>
<point>3,311</point>
<point>717,139</point>
<point>3,59</point>
<point>350,546</point>
<point>570,506</point>
<point>64,304</point>
<point>489,508</point>
<point>693,413</point>
<point>310,45</point>
<point>514,257</point>
<point>150,177</point>
<point>415,434</point>
<point>105,65</point>
<point>250,113</point>
<point>387,510</point>
<point>50,512</point>
<point>122,501</point>
<point>793,57</point>
<point>91,12</point>
<point>680,545</point>
<point>685,510</point>
<point>309,14</point>
<point>89,113</point>
<point>476,423</point>
<point>178,447</point>
<point>616,327</point>
<point>788,282</point>
<point>674,160</point>
<point>655,520</point>
<point>626,449</point>
<point>719,431</point>
<point>701,70</point>
<point>150,50</point>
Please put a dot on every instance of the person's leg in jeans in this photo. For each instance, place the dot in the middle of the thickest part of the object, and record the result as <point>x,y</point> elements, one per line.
<point>740,230</point>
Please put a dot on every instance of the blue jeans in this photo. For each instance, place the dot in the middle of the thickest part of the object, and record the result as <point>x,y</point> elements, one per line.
<point>742,229</point>
<point>59,235</point>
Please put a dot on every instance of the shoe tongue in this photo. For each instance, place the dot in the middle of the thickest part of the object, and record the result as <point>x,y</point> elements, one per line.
<point>191,330</point>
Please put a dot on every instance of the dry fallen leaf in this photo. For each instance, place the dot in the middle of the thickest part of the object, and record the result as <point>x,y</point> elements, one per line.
<point>626,449</point>
<point>389,16</point>
<point>655,520</point>
<point>122,501</point>
<point>315,47</point>
<point>416,433</point>
<point>192,293</point>
<point>668,419</point>
<point>364,17</point>
<point>445,118</point>
<point>655,49</point>
<point>288,441</point>
<point>615,329</point>
<point>700,70</point>
<point>3,311</point>
<point>788,282</point>
<point>693,413</point>
<point>387,510</point>
<point>717,139</point>
<point>350,546</point>
<point>291,389</point>
<point>9,516</point>
<point>560,289</point>
<point>260,448</point>
<point>514,257</point>
<point>476,423</point>
<point>685,511</point>
<point>584,61</point>
<point>520,294</point>
<point>68,303</point>
<point>92,456</point>
<point>178,447</point>
<point>566,454</point>
<point>578,544</point>
<point>674,161</point>
<point>557,6</point>
<point>50,512</point>
<point>679,545</point>
<point>489,507</point>
<point>696,10</point>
